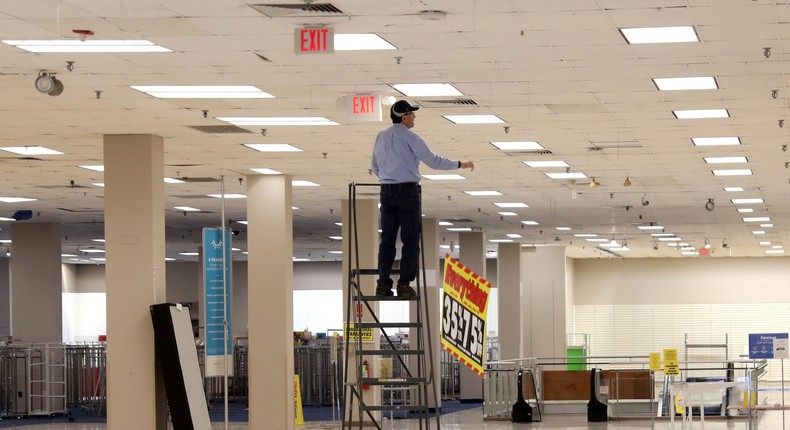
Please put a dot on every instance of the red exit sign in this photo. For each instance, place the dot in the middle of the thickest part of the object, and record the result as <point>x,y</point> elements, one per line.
<point>314,40</point>
<point>363,108</point>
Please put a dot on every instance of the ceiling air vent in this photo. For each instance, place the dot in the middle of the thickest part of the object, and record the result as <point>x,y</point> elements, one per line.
<point>452,102</point>
<point>219,129</point>
<point>305,9</point>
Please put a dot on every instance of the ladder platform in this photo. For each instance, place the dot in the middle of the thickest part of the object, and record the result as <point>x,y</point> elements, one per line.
<point>387,298</point>
<point>394,381</point>
<point>390,352</point>
<point>388,325</point>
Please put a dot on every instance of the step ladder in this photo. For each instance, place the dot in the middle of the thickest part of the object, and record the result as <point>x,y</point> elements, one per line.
<point>416,362</point>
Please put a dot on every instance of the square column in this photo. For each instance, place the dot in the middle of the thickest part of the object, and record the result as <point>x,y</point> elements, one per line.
<point>433,284</point>
<point>472,255</point>
<point>367,241</point>
<point>36,282</point>
<point>134,231</point>
<point>509,285</point>
<point>543,279</point>
<point>270,302</point>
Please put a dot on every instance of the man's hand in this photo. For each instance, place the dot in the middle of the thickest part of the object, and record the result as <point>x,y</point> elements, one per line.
<point>466,164</point>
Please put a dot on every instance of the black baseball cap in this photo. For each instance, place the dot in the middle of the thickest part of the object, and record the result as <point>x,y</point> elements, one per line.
<point>402,107</point>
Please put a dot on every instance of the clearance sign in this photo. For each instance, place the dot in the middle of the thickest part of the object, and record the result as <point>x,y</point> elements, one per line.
<point>464,309</point>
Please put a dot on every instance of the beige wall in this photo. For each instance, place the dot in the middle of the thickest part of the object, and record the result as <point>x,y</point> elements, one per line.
<point>681,281</point>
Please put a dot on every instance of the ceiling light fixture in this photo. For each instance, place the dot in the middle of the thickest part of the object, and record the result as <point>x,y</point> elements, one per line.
<point>594,183</point>
<point>47,83</point>
<point>627,182</point>
<point>709,205</point>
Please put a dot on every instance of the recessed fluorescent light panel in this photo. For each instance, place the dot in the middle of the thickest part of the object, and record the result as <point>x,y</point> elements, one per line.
<point>361,42</point>
<point>173,181</point>
<point>186,208</point>
<point>474,119</point>
<point>701,113</point>
<point>302,183</point>
<point>95,168</point>
<point>530,222</point>
<point>427,90</point>
<point>264,171</point>
<point>272,147</point>
<point>31,150</point>
<point>568,175</point>
<point>483,193</point>
<point>508,213</point>
<point>660,34</point>
<point>746,201</point>
<point>745,210</point>
<point>513,235</point>
<point>2,218</point>
<point>298,121</point>
<point>731,172</point>
<point>518,146</point>
<point>757,219</point>
<point>725,160</point>
<point>459,229</point>
<point>450,177</point>
<point>682,84</point>
<point>774,251</point>
<point>650,227</point>
<point>733,189</point>
<point>562,228</point>
<point>203,91</point>
<point>545,164</point>
<point>16,199</point>
<point>716,141</point>
<point>585,235</point>
<point>228,196</point>
<point>75,45</point>
<point>511,205</point>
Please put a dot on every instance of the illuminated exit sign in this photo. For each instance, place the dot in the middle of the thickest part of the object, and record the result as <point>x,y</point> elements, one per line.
<point>314,40</point>
<point>363,108</point>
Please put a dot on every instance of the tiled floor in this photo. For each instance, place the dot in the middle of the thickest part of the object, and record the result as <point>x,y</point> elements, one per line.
<point>472,419</point>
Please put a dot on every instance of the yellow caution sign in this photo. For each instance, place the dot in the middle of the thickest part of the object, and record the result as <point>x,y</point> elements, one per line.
<point>671,363</point>
<point>299,414</point>
<point>353,333</point>
<point>655,361</point>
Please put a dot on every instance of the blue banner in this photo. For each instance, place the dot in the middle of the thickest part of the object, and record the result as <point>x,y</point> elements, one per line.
<point>767,345</point>
<point>216,255</point>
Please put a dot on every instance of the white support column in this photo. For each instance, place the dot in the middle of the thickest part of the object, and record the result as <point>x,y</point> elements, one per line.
<point>430,254</point>
<point>5,297</point>
<point>270,302</point>
<point>134,231</point>
<point>472,254</point>
<point>509,285</point>
<point>367,233</point>
<point>543,309</point>
<point>36,282</point>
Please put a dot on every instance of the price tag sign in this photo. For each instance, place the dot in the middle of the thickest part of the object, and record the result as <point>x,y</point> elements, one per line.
<point>464,308</point>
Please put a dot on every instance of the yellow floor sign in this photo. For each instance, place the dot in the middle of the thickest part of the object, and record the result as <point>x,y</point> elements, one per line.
<point>299,415</point>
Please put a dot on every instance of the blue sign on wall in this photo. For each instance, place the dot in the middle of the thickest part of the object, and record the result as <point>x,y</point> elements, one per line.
<point>216,255</point>
<point>767,345</point>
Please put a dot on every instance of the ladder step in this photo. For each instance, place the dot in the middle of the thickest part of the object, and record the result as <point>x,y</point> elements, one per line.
<point>388,325</point>
<point>394,408</point>
<point>390,351</point>
<point>394,381</point>
<point>386,299</point>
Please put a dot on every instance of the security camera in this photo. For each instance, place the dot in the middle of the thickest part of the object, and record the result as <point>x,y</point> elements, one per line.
<point>709,205</point>
<point>235,232</point>
<point>645,202</point>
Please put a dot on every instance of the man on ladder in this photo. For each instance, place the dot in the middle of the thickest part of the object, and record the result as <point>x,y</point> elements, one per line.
<point>396,158</point>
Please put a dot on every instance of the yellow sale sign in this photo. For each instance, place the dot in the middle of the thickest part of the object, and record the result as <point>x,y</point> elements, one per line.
<point>464,307</point>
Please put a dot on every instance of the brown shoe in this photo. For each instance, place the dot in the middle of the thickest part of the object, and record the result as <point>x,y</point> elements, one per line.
<point>406,292</point>
<point>384,291</point>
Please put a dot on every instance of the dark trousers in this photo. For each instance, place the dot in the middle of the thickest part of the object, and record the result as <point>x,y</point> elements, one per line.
<point>400,210</point>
